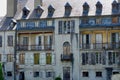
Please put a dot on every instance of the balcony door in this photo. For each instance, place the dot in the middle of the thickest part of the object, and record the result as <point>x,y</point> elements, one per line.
<point>114,40</point>
<point>66,73</point>
<point>22,76</point>
<point>98,41</point>
<point>25,43</point>
<point>86,41</point>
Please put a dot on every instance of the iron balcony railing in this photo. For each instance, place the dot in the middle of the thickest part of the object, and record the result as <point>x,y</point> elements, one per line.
<point>67,57</point>
<point>114,45</point>
<point>98,25</point>
<point>34,47</point>
<point>36,28</point>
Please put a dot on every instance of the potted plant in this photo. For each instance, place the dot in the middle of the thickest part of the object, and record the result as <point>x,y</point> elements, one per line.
<point>58,78</point>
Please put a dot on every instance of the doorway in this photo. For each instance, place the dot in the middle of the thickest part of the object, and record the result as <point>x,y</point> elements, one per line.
<point>66,73</point>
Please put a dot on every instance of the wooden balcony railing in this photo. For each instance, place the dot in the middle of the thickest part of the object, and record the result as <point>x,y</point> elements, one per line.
<point>34,47</point>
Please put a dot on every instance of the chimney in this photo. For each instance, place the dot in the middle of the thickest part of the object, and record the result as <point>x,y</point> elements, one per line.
<point>11,8</point>
<point>38,2</point>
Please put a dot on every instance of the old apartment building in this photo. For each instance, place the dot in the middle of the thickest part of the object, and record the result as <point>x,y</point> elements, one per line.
<point>72,39</point>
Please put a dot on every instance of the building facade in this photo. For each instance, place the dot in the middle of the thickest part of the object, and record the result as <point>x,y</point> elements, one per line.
<point>74,40</point>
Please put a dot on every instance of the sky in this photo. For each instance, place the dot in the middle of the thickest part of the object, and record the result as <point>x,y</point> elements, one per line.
<point>2,7</point>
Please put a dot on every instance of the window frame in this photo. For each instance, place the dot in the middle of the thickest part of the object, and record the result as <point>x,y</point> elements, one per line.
<point>10,40</point>
<point>36,74</point>
<point>0,41</point>
<point>99,74</point>
<point>85,74</point>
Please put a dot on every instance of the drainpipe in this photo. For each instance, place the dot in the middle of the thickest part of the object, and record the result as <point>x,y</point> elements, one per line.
<point>15,50</point>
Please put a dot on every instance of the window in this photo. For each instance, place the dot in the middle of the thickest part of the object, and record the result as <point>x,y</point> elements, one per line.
<point>85,74</point>
<point>86,40</point>
<point>106,21</point>
<point>98,74</point>
<point>66,27</point>
<point>50,11</point>
<point>115,37</point>
<point>48,58</point>
<point>39,11</point>
<point>36,74</point>
<point>98,41</point>
<point>36,58</point>
<point>25,12</point>
<point>98,21</point>
<point>9,57</point>
<point>85,9</point>
<point>10,40</point>
<point>93,58</point>
<point>84,58</point>
<point>66,48</point>
<point>9,73</point>
<point>22,58</point>
<point>98,57</point>
<point>49,74</point>
<point>114,19</point>
<point>68,9</point>
<point>25,42</point>
<point>46,42</point>
<point>42,58</point>
<point>114,40</point>
<point>49,23</point>
<point>92,62</point>
<point>115,73</point>
<point>43,23</point>
<point>39,41</point>
<point>30,24</point>
<point>0,41</point>
<point>50,40</point>
<point>115,7</point>
<point>113,58</point>
<point>0,57</point>
<point>98,8</point>
<point>85,21</point>
<point>60,27</point>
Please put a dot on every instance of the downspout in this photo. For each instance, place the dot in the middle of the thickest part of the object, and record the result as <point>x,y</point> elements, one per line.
<point>15,50</point>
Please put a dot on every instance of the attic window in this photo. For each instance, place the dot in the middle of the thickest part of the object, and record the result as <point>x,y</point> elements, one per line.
<point>98,8</point>
<point>39,11</point>
<point>115,7</point>
<point>50,11</point>
<point>25,12</point>
<point>13,23</point>
<point>68,9</point>
<point>85,8</point>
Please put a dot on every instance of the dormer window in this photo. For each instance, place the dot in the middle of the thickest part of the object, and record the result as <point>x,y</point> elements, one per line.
<point>50,11</point>
<point>115,7</point>
<point>68,9</point>
<point>25,12</point>
<point>39,11</point>
<point>13,23</point>
<point>85,8</point>
<point>98,8</point>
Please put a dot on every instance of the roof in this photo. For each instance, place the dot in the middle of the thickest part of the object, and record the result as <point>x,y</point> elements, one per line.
<point>77,8</point>
<point>59,7</point>
<point>5,23</point>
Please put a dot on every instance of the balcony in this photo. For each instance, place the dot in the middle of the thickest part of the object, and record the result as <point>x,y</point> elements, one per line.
<point>34,47</point>
<point>98,25</point>
<point>67,57</point>
<point>86,46</point>
<point>35,28</point>
<point>114,45</point>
